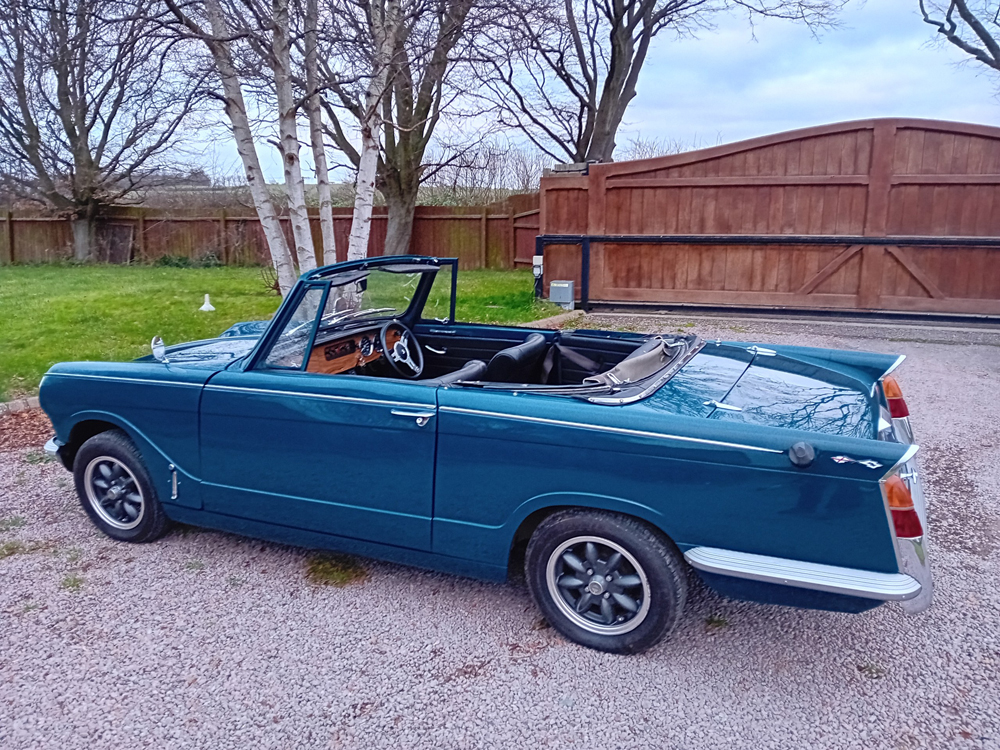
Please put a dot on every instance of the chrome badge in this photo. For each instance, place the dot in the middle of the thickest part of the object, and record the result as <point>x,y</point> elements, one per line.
<point>848,460</point>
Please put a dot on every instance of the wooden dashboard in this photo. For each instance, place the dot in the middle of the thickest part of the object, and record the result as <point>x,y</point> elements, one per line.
<point>346,352</point>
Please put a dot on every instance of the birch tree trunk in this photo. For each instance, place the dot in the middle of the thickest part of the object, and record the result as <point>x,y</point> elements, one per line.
<point>361,222</point>
<point>384,21</point>
<point>313,111</point>
<point>236,110</point>
<point>288,134</point>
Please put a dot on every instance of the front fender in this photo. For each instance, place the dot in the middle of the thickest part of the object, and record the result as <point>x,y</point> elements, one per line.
<point>156,405</point>
<point>160,465</point>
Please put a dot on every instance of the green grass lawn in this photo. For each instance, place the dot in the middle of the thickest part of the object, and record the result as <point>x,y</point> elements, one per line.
<point>57,313</point>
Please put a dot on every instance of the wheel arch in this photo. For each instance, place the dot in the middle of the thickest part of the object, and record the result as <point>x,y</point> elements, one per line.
<point>541,508</point>
<point>80,433</point>
<point>87,424</point>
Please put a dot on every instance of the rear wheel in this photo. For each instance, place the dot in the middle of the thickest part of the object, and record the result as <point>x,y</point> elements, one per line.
<point>606,581</point>
<point>115,490</point>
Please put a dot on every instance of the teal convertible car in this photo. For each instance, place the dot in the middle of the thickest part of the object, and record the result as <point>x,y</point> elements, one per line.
<point>610,467</point>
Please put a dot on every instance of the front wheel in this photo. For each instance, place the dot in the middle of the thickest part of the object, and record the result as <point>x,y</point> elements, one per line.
<point>606,581</point>
<point>115,489</point>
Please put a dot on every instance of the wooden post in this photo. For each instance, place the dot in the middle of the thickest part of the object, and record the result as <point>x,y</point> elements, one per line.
<point>482,237</point>
<point>224,237</point>
<point>876,214</point>
<point>512,242</point>
<point>142,235</point>
<point>10,236</point>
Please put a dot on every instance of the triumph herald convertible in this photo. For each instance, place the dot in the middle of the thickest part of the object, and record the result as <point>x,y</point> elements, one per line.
<point>610,467</point>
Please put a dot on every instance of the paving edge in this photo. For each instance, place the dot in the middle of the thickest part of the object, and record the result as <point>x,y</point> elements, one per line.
<point>18,404</point>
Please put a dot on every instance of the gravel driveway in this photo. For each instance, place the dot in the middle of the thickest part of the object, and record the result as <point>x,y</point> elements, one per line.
<point>214,641</point>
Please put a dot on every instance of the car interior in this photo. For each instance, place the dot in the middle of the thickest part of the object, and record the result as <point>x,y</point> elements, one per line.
<point>328,334</point>
<point>445,355</point>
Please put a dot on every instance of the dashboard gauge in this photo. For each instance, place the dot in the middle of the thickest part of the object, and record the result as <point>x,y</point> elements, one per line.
<point>367,347</point>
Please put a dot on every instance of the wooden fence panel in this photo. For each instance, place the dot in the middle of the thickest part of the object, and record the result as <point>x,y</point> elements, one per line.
<point>36,241</point>
<point>479,236</point>
<point>899,183</point>
<point>191,238</point>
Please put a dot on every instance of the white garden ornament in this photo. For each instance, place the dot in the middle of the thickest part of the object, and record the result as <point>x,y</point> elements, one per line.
<point>207,307</point>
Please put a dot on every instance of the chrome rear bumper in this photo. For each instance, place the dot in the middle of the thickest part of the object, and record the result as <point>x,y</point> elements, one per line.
<point>833,579</point>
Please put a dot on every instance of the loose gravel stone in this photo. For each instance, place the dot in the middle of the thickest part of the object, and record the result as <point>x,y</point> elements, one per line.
<point>211,640</point>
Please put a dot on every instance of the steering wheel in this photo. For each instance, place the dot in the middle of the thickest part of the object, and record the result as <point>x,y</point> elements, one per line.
<point>404,355</point>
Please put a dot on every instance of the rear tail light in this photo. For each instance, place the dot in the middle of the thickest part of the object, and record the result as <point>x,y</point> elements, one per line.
<point>894,395</point>
<point>904,515</point>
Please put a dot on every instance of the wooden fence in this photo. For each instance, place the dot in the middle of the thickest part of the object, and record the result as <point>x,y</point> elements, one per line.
<point>887,214</point>
<point>499,235</point>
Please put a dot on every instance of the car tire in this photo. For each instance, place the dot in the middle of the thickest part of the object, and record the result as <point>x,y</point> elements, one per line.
<point>633,577</point>
<point>115,489</point>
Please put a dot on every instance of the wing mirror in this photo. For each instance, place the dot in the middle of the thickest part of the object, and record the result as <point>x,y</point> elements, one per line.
<point>159,350</point>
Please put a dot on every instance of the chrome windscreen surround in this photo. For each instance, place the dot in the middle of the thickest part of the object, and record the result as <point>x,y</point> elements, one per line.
<point>912,553</point>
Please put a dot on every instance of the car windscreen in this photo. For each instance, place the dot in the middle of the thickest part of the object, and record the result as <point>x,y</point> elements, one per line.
<point>380,292</point>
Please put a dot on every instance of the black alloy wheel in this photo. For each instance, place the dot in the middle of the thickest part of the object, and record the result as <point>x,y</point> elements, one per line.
<point>606,580</point>
<point>115,489</point>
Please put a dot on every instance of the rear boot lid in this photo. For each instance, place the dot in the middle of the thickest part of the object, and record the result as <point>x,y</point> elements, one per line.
<point>799,393</point>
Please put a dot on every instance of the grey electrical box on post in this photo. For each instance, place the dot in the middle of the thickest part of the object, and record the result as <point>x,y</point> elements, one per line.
<point>561,292</point>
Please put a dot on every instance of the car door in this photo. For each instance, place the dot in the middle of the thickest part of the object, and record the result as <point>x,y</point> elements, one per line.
<point>346,455</point>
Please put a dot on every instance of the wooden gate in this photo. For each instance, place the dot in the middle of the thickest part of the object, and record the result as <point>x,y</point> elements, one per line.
<point>886,214</point>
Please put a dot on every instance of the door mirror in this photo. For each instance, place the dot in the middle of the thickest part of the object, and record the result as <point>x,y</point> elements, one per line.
<point>159,350</point>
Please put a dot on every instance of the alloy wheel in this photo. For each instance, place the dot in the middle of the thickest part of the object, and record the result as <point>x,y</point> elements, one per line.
<point>598,585</point>
<point>114,493</point>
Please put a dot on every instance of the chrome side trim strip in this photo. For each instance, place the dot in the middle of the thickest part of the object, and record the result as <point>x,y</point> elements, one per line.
<point>834,579</point>
<point>122,379</point>
<point>894,365</point>
<point>327,396</point>
<point>605,428</point>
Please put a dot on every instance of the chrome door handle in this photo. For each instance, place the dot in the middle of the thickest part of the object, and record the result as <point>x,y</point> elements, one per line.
<point>422,417</point>
<point>443,331</point>
<point>432,350</point>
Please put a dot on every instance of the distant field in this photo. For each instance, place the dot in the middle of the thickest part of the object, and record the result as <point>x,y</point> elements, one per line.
<point>55,313</point>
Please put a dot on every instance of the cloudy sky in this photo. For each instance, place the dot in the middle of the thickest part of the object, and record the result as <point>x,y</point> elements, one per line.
<point>881,62</point>
<point>729,84</point>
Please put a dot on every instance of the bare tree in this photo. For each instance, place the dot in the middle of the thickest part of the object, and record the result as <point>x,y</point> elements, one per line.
<point>420,62</point>
<point>264,40</point>
<point>383,24</point>
<point>639,147</point>
<point>491,172</point>
<point>313,108</point>
<point>571,67</point>
<point>92,95</point>
<point>279,57</point>
<point>970,27</point>
<point>207,23</point>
